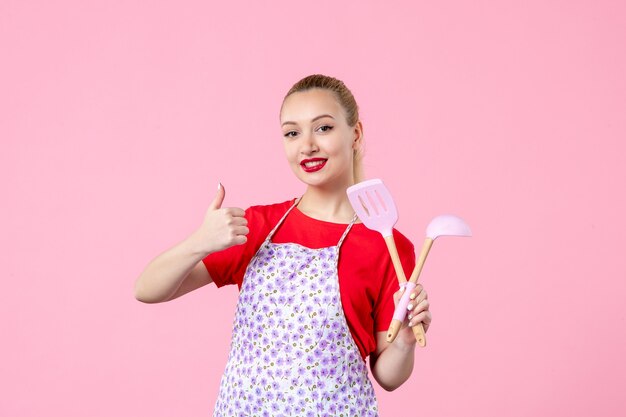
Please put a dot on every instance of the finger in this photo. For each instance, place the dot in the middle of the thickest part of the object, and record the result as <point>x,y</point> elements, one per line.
<point>398,294</point>
<point>235,211</point>
<point>240,239</point>
<point>416,308</point>
<point>417,291</point>
<point>219,198</point>
<point>238,221</point>
<point>241,230</point>
<point>424,317</point>
<point>424,305</point>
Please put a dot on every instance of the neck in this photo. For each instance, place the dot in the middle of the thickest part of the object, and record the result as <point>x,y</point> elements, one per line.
<point>331,205</point>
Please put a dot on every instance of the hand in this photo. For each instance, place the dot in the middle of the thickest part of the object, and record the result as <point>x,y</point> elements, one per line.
<point>417,312</point>
<point>222,227</point>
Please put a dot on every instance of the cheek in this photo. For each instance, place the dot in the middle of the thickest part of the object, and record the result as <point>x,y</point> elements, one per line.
<point>290,151</point>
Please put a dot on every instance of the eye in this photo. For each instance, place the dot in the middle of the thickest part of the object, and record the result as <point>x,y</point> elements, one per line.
<point>290,134</point>
<point>325,128</point>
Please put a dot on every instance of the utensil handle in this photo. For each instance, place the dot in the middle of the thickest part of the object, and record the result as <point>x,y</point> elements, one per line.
<point>400,312</point>
<point>394,328</point>
<point>418,330</point>
<point>420,334</point>
<point>395,258</point>
<point>428,243</point>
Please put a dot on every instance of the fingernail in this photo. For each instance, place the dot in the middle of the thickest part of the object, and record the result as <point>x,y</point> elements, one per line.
<point>409,307</point>
<point>410,324</point>
<point>413,296</point>
<point>410,316</point>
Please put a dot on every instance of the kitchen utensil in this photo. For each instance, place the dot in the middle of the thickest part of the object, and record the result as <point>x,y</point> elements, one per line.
<point>443,225</point>
<point>374,205</point>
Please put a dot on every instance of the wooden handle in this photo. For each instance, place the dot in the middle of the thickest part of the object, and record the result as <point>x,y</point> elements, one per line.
<point>428,243</point>
<point>420,335</point>
<point>393,330</point>
<point>418,330</point>
<point>395,258</point>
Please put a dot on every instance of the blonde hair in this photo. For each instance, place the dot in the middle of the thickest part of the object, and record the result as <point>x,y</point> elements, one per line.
<point>346,100</point>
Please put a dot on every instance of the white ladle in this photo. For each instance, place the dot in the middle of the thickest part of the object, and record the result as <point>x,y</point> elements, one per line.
<point>443,225</point>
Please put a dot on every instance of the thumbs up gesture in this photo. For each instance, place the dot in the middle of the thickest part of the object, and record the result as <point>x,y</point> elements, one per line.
<point>222,227</point>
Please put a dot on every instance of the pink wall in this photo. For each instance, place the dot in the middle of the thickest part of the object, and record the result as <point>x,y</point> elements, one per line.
<point>118,118</point>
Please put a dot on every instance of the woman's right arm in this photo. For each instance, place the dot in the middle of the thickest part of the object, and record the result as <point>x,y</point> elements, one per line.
<point>180,269</point>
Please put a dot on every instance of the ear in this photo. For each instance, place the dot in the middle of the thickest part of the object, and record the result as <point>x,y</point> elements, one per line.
<point>358,135</point>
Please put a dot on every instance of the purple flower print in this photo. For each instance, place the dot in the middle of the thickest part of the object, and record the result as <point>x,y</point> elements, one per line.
<point>290,332</point>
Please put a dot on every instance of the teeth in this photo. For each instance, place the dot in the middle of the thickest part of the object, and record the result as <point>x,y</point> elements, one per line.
<point>313,163</point>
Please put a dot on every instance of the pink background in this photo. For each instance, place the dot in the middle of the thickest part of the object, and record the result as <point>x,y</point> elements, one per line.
<point>118,118</point>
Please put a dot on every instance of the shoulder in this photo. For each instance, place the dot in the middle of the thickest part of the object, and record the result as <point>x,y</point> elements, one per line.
<point>268,213</point>
<point>269,209</point>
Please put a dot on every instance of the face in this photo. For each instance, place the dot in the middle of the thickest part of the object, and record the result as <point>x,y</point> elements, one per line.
<point>319,143</point>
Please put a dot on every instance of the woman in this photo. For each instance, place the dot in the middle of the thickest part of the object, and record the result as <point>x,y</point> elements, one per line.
<point>317,288</point>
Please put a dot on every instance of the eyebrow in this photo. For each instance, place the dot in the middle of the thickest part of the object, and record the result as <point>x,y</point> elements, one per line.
<point>312,120</point>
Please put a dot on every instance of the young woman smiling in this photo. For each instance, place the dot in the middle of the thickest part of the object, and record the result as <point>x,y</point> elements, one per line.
<point>317,288</point>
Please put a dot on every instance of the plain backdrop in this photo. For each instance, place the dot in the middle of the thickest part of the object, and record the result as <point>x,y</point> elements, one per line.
<point>118,119</point>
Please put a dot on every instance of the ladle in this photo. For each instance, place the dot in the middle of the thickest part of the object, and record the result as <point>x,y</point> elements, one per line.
<point>443,225</point>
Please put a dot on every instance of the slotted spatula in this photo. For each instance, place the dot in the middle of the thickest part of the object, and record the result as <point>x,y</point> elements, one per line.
<point>373,204</point>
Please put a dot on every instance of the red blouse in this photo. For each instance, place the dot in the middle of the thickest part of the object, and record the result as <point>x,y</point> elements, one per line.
<point>367,279</point>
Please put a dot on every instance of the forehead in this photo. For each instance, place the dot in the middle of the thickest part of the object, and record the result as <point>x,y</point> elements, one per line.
<point>306,105</point>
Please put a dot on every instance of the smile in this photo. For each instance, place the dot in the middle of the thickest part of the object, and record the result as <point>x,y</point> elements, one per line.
<point>313,165</point>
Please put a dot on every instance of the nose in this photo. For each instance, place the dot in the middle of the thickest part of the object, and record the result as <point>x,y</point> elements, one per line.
<point>308,144</point>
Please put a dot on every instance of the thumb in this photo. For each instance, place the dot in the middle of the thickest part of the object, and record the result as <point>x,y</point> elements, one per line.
<point>219,197</point>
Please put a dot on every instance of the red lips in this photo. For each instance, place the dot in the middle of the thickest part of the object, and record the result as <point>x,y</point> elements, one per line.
<point>314,164</point>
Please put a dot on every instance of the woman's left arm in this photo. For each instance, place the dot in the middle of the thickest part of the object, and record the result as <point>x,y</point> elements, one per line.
<point>392,363</point>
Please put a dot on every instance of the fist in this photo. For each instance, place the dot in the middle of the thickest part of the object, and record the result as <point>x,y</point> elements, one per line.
<point>222,227</point>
